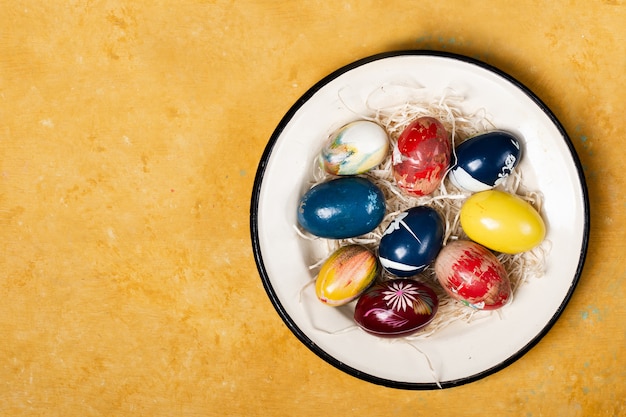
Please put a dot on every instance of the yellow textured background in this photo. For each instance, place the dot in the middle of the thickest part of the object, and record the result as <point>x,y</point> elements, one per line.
<point>130,133</point>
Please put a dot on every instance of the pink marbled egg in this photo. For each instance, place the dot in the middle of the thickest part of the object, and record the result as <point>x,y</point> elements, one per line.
<point>473,275</point>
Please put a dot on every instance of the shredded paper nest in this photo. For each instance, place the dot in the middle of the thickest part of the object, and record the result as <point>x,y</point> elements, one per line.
<point>447,200</point>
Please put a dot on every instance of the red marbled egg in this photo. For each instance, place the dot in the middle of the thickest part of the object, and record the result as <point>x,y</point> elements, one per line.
<point>473,275</point>
<point>396,308</point>
<point>421,156</point>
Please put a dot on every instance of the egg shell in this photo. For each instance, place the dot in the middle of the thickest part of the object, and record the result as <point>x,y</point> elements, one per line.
<point>502,222</point>
<point>411,241</point>
<point>421,156</point>
<point>345,274</point>
<point>485,160</point>
<point>341,208</point>
<point>473,275</point>
<point>355,148</point>
<point>396,308</point>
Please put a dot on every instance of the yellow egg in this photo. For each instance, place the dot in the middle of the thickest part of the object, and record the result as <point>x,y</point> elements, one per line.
<point>502,222</point>
<point>346,274</point>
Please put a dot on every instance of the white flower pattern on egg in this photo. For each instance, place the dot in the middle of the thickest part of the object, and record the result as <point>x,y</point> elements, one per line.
<point>401,295</point>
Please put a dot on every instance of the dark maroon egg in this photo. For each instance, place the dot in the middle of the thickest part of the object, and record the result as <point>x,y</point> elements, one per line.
<point>396,308</point>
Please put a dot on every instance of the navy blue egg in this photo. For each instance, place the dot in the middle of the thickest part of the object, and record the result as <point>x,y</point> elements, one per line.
<point>485,160</point>
<point>342,208</point>
<point>411,241</point>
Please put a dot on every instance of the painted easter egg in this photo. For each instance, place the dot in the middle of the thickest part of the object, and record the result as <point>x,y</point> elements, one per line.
<point>396,308</point>
<point>345,274</point>
<point>355,148</point>
<point>485,160</point>
<point>411,241</point>
<point>421,156</point>
<point>473,275</point>
<point>502,222</point>
<point>342,208</point>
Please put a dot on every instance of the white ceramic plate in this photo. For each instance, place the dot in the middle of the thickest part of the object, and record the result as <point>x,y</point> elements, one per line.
<point>461,352</point>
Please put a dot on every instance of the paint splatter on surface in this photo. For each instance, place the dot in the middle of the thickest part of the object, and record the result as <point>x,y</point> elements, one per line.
<point>591,314</point>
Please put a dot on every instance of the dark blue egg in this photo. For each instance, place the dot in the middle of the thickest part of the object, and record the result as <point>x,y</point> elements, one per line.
<point>411,241</point>
<point>485,160</point>
<point>342,208</point>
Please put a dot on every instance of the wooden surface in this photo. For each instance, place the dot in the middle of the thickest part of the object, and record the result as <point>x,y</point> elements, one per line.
<point>130,133</point>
